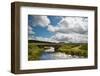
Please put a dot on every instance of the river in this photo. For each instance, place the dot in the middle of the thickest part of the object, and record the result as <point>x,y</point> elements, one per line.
<point>50,54</point>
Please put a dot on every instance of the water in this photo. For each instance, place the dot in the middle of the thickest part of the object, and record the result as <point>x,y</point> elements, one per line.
<point>51,49</point>
<point>50,54</point>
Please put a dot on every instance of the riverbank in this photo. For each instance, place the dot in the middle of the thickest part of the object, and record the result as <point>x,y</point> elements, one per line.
<point>65,51</point>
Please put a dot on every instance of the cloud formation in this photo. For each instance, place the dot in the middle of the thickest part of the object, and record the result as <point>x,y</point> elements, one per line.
<point>42,21</point>
<point>68,29</point>
<point>71,37</point>
<point>71,25</point>
<point>31,33</point>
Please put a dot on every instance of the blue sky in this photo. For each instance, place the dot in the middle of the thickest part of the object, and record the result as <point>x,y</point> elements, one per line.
<point>42,31</point>
<point>57,28</point>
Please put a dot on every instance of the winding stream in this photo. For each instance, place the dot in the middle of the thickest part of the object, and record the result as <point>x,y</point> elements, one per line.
<point>50,54</point>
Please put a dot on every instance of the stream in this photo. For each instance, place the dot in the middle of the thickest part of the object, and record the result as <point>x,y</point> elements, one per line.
<point>50,54</point>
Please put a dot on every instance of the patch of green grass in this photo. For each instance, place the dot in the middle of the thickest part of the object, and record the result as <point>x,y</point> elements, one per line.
<point>75,49</point>
<point>34,52</point>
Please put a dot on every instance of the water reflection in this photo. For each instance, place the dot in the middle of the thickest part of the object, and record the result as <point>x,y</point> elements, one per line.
<point>50,54</point>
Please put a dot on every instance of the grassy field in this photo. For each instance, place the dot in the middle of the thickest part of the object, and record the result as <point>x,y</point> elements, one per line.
<point>78,49</point>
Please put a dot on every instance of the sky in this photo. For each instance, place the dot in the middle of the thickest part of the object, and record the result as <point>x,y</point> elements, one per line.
<point>69,29</point>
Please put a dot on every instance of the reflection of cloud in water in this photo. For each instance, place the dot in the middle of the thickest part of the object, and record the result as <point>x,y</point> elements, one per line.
<point>49,54</point>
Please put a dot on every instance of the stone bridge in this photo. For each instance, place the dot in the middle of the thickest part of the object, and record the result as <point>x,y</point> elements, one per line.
<point>55,45</point>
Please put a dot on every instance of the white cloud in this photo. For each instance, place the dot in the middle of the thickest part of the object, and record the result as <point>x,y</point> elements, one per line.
<point>30,30</point>
<point>31,37</point>
<point>51,28</point>
<point>71,24</point>
<point>42,21</point>
<point>62,37</point>
<point>72,37</point>
<point>46,39</point>
<point>71,29</point>
<point>31,33</point>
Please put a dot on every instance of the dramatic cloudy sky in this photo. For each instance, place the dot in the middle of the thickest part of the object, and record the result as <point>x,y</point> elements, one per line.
<point>58,28</point>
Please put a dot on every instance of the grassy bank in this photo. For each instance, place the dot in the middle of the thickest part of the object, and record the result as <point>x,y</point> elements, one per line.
<point>79,49</point>
<point>34,52</point>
